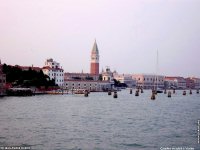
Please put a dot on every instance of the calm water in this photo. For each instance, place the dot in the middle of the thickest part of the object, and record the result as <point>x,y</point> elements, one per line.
<point>100,122</point>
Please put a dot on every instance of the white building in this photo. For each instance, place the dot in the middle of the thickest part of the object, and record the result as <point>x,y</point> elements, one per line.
<point>54,71</point>
<point>127,79</point>
<point>90,85</point>
<point>176,82</point>
<point>196,82</point>
<point>148,81</point>
<point>107,75</point>
<point>80,76</point>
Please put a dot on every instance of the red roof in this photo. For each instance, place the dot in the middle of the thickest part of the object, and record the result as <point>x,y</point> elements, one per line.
<point>49,68</point>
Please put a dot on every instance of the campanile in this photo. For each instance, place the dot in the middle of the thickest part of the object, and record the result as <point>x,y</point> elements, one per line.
<point>94,65</point>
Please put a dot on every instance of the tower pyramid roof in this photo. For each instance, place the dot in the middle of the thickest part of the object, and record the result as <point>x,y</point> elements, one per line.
<point>95,47</point>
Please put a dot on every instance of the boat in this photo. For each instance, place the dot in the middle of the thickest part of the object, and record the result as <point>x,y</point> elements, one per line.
<point>159,90</point>
<point>79,91</point>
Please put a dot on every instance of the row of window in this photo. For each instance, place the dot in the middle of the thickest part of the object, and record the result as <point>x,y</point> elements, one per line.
<point>59,80</point>
<point>150,79</point>
<point>56,74</point>
<point>58,70</point>
<point>2,81</point>
<point>79,84</point>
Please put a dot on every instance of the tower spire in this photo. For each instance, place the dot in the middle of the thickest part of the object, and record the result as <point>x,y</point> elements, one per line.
<point>94,69</point>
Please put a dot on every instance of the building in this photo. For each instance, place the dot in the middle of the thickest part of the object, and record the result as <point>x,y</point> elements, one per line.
<point>189,83</point>
<point>26,68</point>
<point>175,82</point>
<point>94,86</point>
<point>54,71</point>
<point>125,78</point>
<point>196,82</point>
<point>2,81</point>
<point>94,65</point>
<point>148,81</point>
<point>107,75</point>
<point>80,76</point>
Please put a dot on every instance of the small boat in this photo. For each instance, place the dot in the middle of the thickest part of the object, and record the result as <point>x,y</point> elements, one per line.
<point>79,91</point>
<point>159,90</point>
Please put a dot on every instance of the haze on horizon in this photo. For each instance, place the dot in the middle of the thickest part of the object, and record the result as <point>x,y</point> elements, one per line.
<point>128,34</point>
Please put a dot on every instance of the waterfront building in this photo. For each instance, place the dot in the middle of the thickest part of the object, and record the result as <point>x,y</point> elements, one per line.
<point>196,82</point>
<point>2,81</point>
<point>91,85</point>
<point>189,83</point>
<point>107,75</point>
<point>81,76</point>
<point>125,78</point>
<point>94,65</point>
<point>148,81</point>
<point>54,71</point>
<point>175,82</point>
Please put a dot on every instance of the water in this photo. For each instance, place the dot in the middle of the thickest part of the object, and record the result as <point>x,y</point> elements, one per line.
<point>71,122</point>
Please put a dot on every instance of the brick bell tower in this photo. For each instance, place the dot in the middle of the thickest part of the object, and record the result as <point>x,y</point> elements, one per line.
<point>94,67</point>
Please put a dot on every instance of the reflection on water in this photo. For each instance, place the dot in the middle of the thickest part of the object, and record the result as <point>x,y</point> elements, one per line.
<point>100,121</point>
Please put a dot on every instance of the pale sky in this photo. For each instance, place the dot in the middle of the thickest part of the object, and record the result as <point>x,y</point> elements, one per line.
<point>128,34</point>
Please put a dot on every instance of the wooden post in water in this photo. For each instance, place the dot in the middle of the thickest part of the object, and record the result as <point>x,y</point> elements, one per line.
<point>174,91</point>
<point>153,95</point>
<point>109,92</point>
<point>190,92</point>
<point>137,93</point>
<point>165,92</point>
<point>86,93</point>
<point>131,91</point>
<point>169,94</point>
<point>197,91</point>
<point>115,94</point>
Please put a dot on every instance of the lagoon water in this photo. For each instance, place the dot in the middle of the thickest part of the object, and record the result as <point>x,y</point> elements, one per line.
<point>72,122</point>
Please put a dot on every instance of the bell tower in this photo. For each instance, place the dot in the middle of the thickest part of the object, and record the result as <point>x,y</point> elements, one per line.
<point>94,65</point>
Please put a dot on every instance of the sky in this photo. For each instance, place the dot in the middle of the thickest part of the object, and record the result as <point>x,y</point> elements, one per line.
<point>128,33</point>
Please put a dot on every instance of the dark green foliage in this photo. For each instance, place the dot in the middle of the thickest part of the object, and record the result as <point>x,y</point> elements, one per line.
<point>118,84</point>
<point>89,78</point>
<point>76,78</point>
<point>100,77</point>
<point>18,77</point>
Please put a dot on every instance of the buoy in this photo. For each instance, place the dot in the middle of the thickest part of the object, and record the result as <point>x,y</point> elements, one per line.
<point>169,94</point>
<point>115,95</point>
<point>142,90</point>
<point>109,92</point>
<point>190,92</point>
<point>137,93</point>
<point>131,91</point>
<point>197,91</point>
<point>165,92</point>
<point>153,96</point>
<point>86,93</point>
<point>184,92</point>
<point>174,91</point>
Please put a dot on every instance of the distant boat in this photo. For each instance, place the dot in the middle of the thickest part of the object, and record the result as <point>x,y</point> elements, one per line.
<point>79,91</point>
<point>159,90</point>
